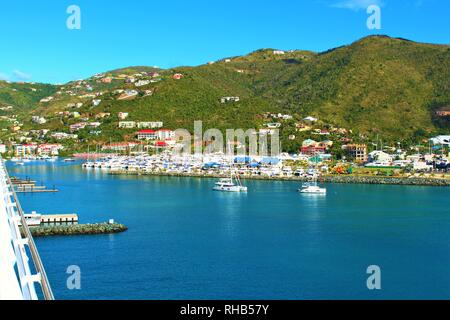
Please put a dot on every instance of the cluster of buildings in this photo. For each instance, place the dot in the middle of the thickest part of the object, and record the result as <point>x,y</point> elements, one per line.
<point>33,149</point>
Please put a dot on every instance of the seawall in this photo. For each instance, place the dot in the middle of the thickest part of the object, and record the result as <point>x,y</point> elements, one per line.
<point>355,179</point>
<point>77,229</point>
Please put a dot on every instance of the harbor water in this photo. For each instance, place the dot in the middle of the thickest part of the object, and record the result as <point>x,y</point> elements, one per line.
<point>186,241</point>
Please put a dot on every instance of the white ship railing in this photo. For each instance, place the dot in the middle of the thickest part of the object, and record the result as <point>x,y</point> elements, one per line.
<point>17,282</point>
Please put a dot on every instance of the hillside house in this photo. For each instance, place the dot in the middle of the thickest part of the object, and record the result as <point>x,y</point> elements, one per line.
<point>63,136</point>
<point>148,93</point>
<point>102,115</point>
<point>123,115</point>
<point>150,124</point>
<point>273,125</point>
<point>278,52</point>
<point>141,83</point>
<point>77,126</point>
<point>443,112</point>
<point>127,124</point>
<point>146,134</point>
<point>310,119</point>
<point>177,76</point>
<point>128,95</point>
<point>38,119</point>
<point>301,127</point>
<point>94,125</point>
<point>229,99</point>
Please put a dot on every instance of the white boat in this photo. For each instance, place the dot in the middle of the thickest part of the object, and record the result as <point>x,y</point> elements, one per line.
<point>69,160</point>
<point>228,185</point>
<point>20,163</point>
<point>313,189</point>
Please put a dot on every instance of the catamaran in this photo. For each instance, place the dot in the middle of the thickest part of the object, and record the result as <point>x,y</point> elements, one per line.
<point>228,185</point>
<point>315,189</point>
<point>312,188</point>
<point>231,184</point>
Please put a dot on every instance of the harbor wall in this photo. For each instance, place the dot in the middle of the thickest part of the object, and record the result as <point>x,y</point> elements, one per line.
<point>77,229</point>
<point>350,179</point>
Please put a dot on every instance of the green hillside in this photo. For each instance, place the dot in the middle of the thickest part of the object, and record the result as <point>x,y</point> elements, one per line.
<point>375,86</point>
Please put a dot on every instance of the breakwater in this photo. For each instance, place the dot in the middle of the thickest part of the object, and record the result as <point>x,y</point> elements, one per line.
<point>77,229</point>
<point>407,181</point>
<point>349,179</point>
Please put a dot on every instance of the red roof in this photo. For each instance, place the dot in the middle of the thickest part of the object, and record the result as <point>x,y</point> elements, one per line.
<point>146,131</point>
<point>161,144</point>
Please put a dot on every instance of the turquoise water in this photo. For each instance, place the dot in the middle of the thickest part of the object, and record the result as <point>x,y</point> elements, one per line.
<point>187,242</point>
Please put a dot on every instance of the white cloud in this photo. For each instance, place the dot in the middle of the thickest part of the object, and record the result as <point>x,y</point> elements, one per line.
<point>21,76</point>
<point>357,4</point>
<point>16,75</point>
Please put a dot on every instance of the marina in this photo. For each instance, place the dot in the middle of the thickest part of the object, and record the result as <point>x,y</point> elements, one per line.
<point>284,168</point>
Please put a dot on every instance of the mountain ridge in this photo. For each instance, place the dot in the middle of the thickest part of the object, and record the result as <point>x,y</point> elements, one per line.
<point>376,85</point>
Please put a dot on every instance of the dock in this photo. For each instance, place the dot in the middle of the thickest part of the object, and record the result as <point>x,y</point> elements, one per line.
<point>35,190</point>
<point>29,186</point>
<point>59,218</point>
<point>36,219</point>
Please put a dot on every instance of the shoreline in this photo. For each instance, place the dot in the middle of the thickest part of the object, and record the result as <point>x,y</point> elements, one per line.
<point>344,179</point>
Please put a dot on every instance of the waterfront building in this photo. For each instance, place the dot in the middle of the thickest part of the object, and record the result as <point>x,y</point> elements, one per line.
<point>379,156</point>
<point>49,149</point>
<point>358,152</point>
<point>120,146</point>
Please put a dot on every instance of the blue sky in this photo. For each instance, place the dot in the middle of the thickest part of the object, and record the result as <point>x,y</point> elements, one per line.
<point>37,46</point>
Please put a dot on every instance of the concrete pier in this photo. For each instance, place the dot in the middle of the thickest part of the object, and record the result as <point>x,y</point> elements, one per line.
<point>60,218</point>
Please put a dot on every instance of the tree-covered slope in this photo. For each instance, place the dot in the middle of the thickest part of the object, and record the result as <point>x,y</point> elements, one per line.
<point>375,86</point>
